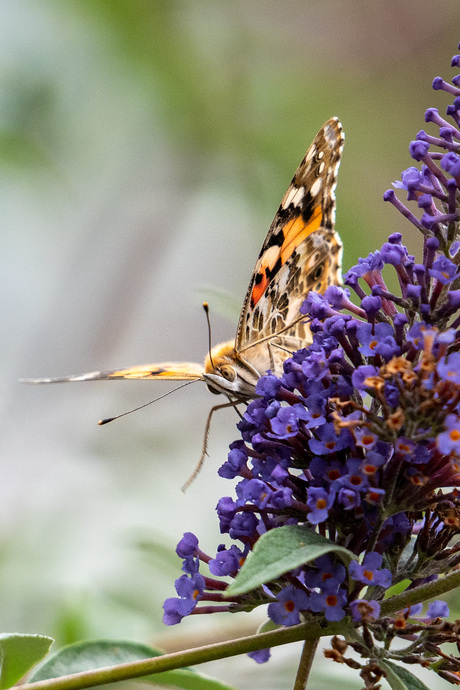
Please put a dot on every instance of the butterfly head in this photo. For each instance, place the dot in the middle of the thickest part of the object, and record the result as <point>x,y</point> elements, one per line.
<point>225,372</point>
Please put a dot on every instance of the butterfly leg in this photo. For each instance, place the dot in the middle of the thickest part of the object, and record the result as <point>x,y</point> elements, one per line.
<point>204,451</point>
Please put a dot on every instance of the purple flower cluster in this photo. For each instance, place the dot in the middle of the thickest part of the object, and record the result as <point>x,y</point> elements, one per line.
<point>359,439</point>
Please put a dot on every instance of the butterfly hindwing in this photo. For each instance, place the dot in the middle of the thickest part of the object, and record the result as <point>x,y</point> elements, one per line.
<point>301,252</point>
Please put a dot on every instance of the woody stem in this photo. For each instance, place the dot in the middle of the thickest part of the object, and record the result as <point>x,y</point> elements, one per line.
<point>306,661</point>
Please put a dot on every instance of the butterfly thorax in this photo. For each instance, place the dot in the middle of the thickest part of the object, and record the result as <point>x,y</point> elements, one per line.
<point>236,373</point>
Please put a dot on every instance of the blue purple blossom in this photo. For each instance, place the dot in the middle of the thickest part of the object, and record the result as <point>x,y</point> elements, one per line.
<point>189,588</point>
<point>362,610</point>
<point>319,501</point>
<point>261,656</point>
<point>290,602</point>
<point>370,571</point>
<point>437,609</point>
<point>449,440</point>
<point>332,603</point>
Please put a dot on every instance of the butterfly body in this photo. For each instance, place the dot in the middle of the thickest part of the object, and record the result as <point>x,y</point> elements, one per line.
<point>228,372</point>
<point>302,252</point>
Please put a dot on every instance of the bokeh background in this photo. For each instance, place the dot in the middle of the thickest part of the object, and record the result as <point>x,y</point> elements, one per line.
<point>144,148</point>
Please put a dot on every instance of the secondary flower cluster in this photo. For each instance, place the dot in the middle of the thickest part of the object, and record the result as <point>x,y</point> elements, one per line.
<point>359,440</point>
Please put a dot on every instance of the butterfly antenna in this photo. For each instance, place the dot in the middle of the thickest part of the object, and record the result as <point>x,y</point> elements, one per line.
<point>208,321</point>
<point>101,422</point>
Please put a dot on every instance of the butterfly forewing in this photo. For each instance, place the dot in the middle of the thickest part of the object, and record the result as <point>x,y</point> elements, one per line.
<point>302,252</point>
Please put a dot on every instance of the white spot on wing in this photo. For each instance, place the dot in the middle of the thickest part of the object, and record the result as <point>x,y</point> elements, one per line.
<point>316,187</point>
<point>294,197</point>
<point>310,154</point>
<point>291,192</point>
<point>298,196</point>
<point>269,257</point>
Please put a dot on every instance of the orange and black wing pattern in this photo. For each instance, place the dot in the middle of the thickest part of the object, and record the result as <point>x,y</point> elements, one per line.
<point>301,252</point>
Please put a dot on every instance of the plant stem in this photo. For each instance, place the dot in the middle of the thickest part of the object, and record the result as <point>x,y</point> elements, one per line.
<point>420,593</point>
<point>306,661</point>
<point>169,662</point>
<point>309,632</point>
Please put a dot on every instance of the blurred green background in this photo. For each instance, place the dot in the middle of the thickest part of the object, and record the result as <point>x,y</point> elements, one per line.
<point>144,148</point>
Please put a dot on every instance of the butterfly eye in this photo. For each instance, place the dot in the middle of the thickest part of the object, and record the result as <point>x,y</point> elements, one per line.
<point>228,372</point>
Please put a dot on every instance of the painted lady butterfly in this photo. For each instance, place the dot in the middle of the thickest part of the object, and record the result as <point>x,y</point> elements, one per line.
<point>301,252</point>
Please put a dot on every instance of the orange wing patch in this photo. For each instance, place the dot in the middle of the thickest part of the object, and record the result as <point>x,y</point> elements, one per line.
<point>264,273</point>
<point>168,371</point>
<point>294,232</point>
<point>297,230</point>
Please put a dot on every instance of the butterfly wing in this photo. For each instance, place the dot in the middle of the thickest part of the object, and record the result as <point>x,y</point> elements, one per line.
<point>166,371</point>
<point>301,252</point>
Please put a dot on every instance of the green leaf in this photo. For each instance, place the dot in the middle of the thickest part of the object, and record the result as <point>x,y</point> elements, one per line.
<point>18,654</point>
<point>400,678</point>
<point>281,550</point>
<point>267,626</point>
<point>88,656</point>
<point>397,588</point>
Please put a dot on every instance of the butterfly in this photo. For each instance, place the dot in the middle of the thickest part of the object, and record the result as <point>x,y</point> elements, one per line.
<point>302,252</point>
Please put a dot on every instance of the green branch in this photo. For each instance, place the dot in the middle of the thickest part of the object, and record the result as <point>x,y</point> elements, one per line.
<point>273,638</point>
<point>421,593</point>
<point>176,660</point>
